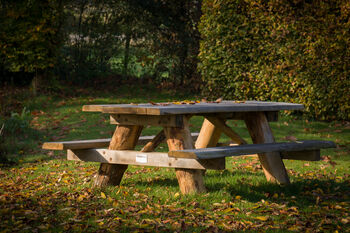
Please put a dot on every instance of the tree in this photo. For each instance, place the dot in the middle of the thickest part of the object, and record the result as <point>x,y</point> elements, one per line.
<point>30,36</point>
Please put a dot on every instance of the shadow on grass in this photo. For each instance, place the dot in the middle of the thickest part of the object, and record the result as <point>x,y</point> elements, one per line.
<point>299,193</point>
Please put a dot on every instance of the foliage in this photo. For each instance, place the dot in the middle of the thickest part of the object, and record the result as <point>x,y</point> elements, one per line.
<point>17,135</point>
<point>92,37</point>
<point>18,123</point>
<point>293,51</point>
<point>29,35</point>
<point>112,38</point>
<point>173,36</point>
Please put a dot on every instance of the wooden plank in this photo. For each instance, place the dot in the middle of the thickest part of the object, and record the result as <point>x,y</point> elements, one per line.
<point>170,121</point>
<point>220,123</point>
<point>94,143</point>
<point>190,180</point>
<point>152,145</point>
<point>125,137</point>
<point>307,155</point>
<point>227,151</point>
<point>79,144</point>
<point>271,162</point>
<point>271,116</point>
<point>208,136</point>
<point>156,159</point>
<point>198,108</point>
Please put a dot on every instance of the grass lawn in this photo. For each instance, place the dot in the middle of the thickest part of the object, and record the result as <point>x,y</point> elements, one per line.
<point>44,192</point>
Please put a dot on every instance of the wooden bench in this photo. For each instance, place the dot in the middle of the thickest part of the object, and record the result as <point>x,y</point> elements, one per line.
<point>93,151</point>
<point>94,143</point>
<point>299,150</point>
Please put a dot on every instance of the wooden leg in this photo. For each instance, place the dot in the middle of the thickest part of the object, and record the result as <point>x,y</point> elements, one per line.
<point>190,180</point>
<point>220,123</point>
<point>125,137</point>
<point>208,136</point>
<point>272,163</point>
<point>152,145</point>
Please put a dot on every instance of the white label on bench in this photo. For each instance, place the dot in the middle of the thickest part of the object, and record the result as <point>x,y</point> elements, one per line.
<point>141,158</point>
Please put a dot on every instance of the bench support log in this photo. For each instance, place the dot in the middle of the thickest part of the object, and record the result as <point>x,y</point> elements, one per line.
<point>124,138</point>
<point>208,136</point>
<point>220,123</point>
<point>272,163</point>
<point>190,180</point>
<point>154,143</point>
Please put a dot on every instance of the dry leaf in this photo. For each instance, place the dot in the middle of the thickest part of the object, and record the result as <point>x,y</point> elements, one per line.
<point>262,218</point>
<point>218,100</point>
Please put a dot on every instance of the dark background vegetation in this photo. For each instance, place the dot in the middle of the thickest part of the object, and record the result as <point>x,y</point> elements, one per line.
<point>284,50</point>
<point>81,41</point>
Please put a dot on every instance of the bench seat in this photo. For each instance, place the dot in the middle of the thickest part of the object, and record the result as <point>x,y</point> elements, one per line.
<point>94,143</point>
<point>287,149</point>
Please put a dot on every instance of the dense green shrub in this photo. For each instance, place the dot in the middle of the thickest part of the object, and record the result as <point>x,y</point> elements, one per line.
<point>16,136</point>
<point>296,51</point>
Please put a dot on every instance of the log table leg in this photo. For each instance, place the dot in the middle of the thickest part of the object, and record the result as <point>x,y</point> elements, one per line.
<point>190,180</point>
<point>125,137</point>
<point>260,132</point>
<point>208,136</point>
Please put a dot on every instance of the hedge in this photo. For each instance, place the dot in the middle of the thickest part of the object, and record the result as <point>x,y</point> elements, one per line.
<point>279,50</point>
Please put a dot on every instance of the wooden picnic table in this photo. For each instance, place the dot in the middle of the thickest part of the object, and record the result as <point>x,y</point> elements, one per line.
<point>174,118</point>
<point>188,158</point>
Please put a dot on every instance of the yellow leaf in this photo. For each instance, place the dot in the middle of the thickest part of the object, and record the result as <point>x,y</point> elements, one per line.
<point>294,228</point>
<point>81,197</point>
<point>238,197</point>
<point>229,210</point>
<point>262,218</point>
<point>115,203</point>
<point>275,195</point>
<point>176,195</point>
<point>103,195</point>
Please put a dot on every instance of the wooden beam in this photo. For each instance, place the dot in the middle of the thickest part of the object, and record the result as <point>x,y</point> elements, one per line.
<point>260,132</point>
<point>152,145</point>
<point>124,138</point>
<point>94,143</point>
<point>294,149</point>
<point>79,144</point>
<point>220,123</point>
<point>156,159</point>
<point>168,121</point>
<point>308,155</point>
<point>190,180</point>
<point>271,116</point>
<point>208,136</point>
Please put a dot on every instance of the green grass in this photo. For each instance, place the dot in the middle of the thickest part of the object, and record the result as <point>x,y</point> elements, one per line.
<point>44,192</point>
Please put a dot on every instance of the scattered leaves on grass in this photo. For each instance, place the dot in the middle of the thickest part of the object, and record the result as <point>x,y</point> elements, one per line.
<point>49,196</point>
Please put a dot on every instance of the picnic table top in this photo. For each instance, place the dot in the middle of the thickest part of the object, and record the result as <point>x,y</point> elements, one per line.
<point>174,108</point>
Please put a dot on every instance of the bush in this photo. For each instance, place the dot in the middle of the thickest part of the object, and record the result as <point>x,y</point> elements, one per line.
<point>16,135</point>
<point>293,51</point>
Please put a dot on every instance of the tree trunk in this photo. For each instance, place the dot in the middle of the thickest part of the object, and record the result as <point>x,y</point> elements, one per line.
<point>35,84</point>
<point>126,54</point>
